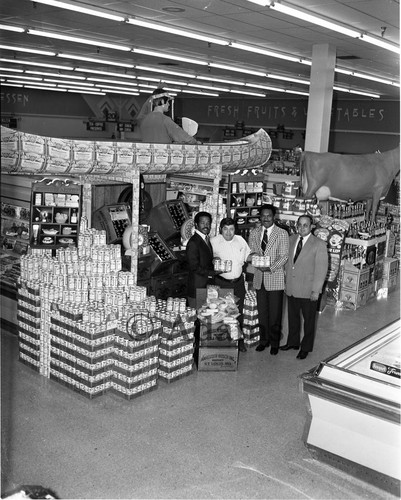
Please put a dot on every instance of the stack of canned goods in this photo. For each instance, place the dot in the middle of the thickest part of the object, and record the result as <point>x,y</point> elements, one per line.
<point>223,265</point>
<point>261,260</point>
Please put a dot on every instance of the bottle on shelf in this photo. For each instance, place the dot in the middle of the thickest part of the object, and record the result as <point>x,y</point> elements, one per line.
<point>74,216</point>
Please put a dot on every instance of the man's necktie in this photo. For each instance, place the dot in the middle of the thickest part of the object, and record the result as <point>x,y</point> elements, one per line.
<point>207,239</point>
<point>264,241</point>
<point>299,248</point>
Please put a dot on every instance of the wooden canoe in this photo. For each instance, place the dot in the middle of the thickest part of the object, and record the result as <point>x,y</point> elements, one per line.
<point>29,154</point>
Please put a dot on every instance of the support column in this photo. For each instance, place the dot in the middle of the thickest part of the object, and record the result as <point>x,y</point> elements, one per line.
<point>320,98</point>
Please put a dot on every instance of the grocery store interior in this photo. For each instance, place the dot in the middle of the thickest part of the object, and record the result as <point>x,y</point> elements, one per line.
<point>108,388</point>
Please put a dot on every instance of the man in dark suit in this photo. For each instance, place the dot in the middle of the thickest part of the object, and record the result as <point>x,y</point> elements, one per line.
<point>199,256</point>
<point>306,272</point>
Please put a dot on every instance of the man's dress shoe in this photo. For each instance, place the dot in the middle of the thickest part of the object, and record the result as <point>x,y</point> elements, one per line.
<point>273,351</point>
<point>302,354</point>
<point>261,347</point>
<point>287,347</point>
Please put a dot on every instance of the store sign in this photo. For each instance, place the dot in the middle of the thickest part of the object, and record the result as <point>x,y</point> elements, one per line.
<point>363,115</point>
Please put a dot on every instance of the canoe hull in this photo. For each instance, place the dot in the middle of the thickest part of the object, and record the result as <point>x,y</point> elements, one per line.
<point>29,154</point>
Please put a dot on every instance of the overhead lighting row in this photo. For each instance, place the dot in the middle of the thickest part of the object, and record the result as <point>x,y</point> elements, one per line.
<point>211,39</point>
<point>163,71</point>
<point>142,87</point>
<point>134,88</point>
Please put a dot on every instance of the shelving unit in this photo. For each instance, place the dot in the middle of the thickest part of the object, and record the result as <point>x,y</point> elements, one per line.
<point>55,213</point>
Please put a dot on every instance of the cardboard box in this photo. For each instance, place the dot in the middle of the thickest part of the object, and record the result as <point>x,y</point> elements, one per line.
<point>218,359</point>
<point>215,335</point>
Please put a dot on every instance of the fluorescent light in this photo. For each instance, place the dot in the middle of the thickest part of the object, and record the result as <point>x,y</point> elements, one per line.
<point>109,91</point>
<point>13,85</point>
<point>154,53</point>
<point>37,87</point>
<point>238,70</point>
<point>220,80</point>
<point>106,80</point>
<point>167,72</point>
<point>30,78</point>
<point>264,52</point>
<point>247,93</point>
<point>343,71</point>
<point>92,59</point>
<point>12,70</point>
<point>299,14</point>
<point>17,29</point>
<point>175,31</point>
<point>114,87</point>
<point>84,10</point>
<point>200,93</point>
<point>288,79</point>
<point>68,82</point>
<point>84,91</point>
<point>31,51</point>
<point>55,75</point>
<point>107,73</point>
<point>42,84</point>
<point>263,87</point>
<point>76,39</point>
<point>380,43</point>
<point>173,82</point>
<point>42,65</point>
<point>208,87</point>
<point>307,62</point>
<point>373,78</point>
<point>296,92</point>
<point>368,94</point>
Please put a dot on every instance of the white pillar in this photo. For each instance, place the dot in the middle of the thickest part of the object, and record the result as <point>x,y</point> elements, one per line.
<point>320,98</point>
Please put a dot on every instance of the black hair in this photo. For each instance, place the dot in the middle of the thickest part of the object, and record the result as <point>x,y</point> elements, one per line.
<point>308,216</point>
<point>228,221</point>
<point>268,206</point>
<point>201,214</point>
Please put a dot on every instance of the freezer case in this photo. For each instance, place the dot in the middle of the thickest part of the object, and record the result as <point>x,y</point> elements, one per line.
<point>354,400</point>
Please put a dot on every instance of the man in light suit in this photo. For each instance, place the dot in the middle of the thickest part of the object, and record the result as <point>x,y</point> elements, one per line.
<point>269,240</point>
<point>306,272</point>
<point>199,255</point>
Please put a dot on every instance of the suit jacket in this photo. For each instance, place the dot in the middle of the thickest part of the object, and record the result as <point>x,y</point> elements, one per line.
<point>309,272</point>
<point>277,248</point>
<point>200,263</point>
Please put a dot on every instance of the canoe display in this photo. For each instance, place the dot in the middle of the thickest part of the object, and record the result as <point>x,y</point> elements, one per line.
<point>29,154</point>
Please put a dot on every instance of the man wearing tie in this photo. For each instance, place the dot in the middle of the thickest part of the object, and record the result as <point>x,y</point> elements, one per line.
<point>199,255</point>
<point>306,271</point>
<point>269,240</point>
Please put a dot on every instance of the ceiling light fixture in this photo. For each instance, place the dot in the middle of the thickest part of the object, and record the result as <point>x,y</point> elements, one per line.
<point>67,82</point>
<point>37,87</point>
<point>21,77</point>
<point>167,72</point>
<point>77,8</point>
<point>220,80</point>
<point>33,82</point>
<point>247,93</point>
<point>30,51</point>
<point>288,79</point>
<point>12,70</point>
<point>84,91</point>
<point>110,91</point>
<point>208,87</point>
<point>154,53</point>
<point>114,87</point>
<point>358,92</point>
<point>86,41</point>
<point>264,52</point>
<point>32,63</point>
<point>380,43</point>
<point>107,73</point>
<point>263,87</point>
<point>92,59</point>
<point>298,92</point>
<point>55,75</point>
<point>210,94</point>
<point>175,31</point>
<point>17,29</point>
<point>238,70</point>
<point>106,80</point>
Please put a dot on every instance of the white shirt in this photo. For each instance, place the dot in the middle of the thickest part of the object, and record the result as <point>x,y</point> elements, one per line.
<point>236,250</point>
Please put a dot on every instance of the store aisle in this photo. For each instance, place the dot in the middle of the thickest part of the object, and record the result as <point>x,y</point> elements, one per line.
<point>209,435</point>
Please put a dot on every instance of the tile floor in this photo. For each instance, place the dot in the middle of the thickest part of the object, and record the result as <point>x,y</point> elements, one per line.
<point>211,435</point>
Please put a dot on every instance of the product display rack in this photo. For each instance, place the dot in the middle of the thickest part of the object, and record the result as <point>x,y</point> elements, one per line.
<point>55,213</point>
